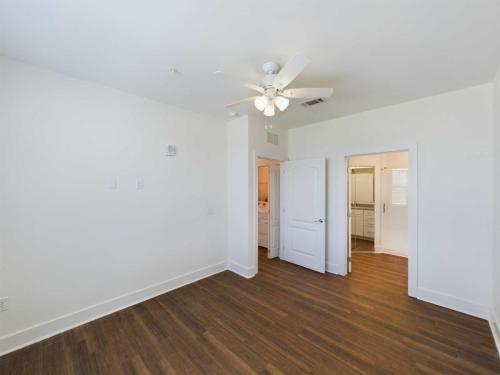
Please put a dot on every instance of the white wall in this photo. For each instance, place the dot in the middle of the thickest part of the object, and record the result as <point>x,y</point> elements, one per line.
<point>455,154</point>
<point>496,239</point>
<point>246,143</point>
<point>238,198</point>
<point>68,240</point>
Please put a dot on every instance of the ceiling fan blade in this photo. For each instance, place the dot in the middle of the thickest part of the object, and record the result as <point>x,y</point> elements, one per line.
<point>308,93</point>
<point>291,70</point>
<point>251,86</point>
<point>249,99</point>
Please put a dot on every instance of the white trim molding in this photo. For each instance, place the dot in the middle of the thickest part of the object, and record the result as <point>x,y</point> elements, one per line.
<point>453,303</point>
<point>43,330</point>
<point>397,253</point>
<point>494,320</point>
<point>239,269</point>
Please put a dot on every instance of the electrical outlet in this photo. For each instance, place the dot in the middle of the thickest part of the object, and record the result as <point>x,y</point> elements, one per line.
<point>4,304</point>
<point>140,184</point>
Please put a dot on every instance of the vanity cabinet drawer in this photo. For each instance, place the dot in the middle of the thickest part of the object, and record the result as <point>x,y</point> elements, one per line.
<point>357,212</point>
<point>369,224</point>
<point>369,214</point>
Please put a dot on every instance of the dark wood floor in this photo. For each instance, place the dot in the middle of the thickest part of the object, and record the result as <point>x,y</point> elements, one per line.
<point>286,320</point>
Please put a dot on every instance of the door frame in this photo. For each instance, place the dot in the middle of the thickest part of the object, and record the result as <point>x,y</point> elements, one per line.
<point>349,215</point>
<point>254,239</point>
<point>412,150</point>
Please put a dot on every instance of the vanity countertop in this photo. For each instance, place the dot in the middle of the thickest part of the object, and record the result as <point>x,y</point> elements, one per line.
<point>367,207</point>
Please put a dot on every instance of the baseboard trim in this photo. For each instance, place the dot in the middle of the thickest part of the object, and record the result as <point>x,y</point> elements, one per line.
<point>494,321</point>
<point>246,272</point>
<point>453,303</point>
<point>44,330</point>
<point>382,250</point>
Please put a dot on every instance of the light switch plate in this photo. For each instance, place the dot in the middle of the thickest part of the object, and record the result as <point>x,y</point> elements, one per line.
<point>140,184</point>
<point>171,150</point>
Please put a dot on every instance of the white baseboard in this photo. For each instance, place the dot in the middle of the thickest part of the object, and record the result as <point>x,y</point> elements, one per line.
<point>41,331</point>
<point>382,250</point>
<point>494,321</point>
<point>246,272</point>
<point>453,303</point>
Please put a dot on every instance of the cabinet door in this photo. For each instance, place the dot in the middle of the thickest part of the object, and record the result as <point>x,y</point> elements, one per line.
<point>357,223</point>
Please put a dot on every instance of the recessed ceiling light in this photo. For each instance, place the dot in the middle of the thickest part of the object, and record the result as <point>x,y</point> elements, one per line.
<point>174,71</point>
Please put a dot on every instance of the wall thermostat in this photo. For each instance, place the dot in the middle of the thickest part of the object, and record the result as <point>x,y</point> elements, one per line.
<point>171,150</point>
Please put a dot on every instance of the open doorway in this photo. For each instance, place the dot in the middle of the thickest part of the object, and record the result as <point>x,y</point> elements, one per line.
<point>290,208</point>
<point>268,208</point>
<point>377,207</point>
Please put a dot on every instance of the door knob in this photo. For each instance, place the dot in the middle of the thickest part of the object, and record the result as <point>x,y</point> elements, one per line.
<point>319,221</point>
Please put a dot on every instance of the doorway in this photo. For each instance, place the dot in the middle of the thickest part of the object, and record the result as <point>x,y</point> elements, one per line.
<point>291,209</point>
<point>268,207</point>
<point>377,206</point>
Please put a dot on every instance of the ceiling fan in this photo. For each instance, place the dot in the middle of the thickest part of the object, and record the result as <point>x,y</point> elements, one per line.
<point>272,86</point>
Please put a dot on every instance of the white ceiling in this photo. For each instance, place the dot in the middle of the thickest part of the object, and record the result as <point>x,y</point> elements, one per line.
<point>374,53</point>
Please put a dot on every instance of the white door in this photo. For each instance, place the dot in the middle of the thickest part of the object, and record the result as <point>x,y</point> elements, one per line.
<point>274,211</point>
<point>303,189</point>
<point>394,223</point>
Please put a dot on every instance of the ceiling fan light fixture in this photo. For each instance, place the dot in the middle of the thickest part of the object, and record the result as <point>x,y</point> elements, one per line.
<point>269,111</point>
<point>281,102</point>
<point>271,89</point>
<point>261,102</point>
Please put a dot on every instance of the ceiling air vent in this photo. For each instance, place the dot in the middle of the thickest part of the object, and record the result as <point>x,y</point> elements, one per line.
<point>312,102</point>
<point>272,138</point>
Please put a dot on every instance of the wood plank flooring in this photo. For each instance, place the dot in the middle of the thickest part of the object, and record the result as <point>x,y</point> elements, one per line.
<point>286,320</point>
<point>362,246</point>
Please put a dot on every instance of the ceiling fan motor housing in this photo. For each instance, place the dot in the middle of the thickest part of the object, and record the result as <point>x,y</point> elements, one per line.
<point>268,80</point>
<point>271,67</point>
